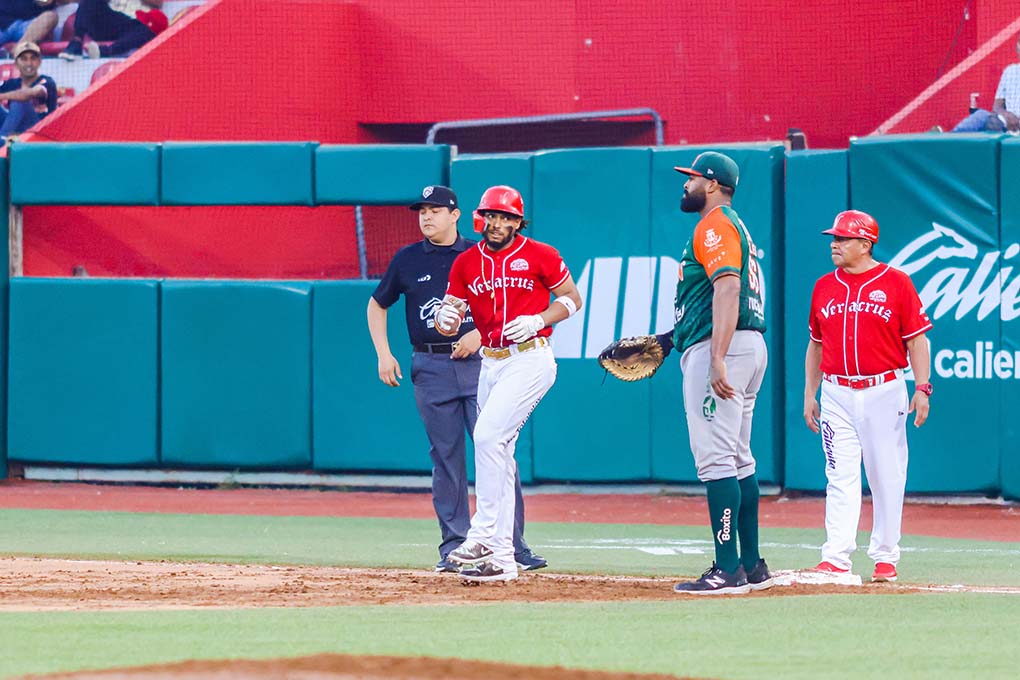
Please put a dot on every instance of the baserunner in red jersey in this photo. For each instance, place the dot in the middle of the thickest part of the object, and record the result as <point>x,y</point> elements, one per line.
<point>516,289</point>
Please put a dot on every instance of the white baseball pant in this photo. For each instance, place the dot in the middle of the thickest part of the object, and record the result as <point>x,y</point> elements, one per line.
<point>868,424</point>
<point>508,391</point>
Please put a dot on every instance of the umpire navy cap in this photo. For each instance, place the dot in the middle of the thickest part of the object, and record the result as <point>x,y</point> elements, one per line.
<point>436,194</point>
<point>714,165</point>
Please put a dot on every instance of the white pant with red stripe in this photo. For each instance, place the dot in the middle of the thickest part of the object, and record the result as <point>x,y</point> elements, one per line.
<point>868,424</point>
<point>508,391</point>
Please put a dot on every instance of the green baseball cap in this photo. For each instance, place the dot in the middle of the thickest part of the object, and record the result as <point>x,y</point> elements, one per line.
<point>713,165</point>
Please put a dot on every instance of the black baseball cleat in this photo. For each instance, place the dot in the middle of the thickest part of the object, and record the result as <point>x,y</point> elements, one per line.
<point>529,561</point>
<point>760,578</point>
<point>485,572</point>
<point>445,566</point>
<point>470,552</point>
<point>715,581</point>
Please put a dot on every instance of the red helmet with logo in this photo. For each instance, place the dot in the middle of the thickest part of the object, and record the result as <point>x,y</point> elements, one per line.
<point>854,224</point>
<point>504,199</point>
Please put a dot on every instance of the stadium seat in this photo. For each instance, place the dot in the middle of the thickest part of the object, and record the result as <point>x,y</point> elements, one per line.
<point>67,30</point>
<point>52,48</point>
<point>8,71</point>
<point>104,69</point>
<point>48,49</point>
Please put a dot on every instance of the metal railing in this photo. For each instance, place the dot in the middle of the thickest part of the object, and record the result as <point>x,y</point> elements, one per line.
<point>514,120</point>
<point>549,118</point>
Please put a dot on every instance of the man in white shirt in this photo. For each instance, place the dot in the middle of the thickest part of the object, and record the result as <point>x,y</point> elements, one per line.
<point>1005,109</point>
<point>1007,94</point>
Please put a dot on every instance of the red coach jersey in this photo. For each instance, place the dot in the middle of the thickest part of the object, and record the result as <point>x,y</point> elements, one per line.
<point>864,320</point>
<point>501,286</point>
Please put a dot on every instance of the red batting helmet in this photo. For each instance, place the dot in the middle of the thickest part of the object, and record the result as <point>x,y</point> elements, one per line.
<point>504,199</point>
<point>854,224</point>
<point>479,221</point>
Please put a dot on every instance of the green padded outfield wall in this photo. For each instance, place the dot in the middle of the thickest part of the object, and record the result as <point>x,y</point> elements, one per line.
<point>104,174</point>
<point>4,295</point>
<point>83,382</point>
<point>1009,434</point>
<point>759,201</point>
<point>936,199</point>
<point>816,190</point>
<point>237,173</point>
<point>378,174</point>
<point>470,176</point>
<point>360,423</point>
<point>236,374</point>
<point>578,428</point>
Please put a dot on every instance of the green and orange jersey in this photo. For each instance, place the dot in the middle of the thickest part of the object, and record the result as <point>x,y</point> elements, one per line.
<point>720,245</point>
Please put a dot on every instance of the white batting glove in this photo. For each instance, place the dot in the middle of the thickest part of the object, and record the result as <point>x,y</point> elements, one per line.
<point>524,327</point>
<point>448,319</point>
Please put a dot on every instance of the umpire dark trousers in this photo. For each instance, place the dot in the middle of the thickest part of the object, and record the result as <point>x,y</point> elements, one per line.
<point>446,391</point>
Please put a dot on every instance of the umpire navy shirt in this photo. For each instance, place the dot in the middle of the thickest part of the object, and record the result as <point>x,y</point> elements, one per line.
<point>420,272</point>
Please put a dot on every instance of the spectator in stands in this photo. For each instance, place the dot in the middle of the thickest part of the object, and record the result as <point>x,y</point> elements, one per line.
<point>129,24</point>
<point>1005,109</point>
<point>29,98</point>
<point>27,20</point>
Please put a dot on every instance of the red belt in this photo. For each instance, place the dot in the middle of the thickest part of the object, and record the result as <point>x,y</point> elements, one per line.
<point>860,383</point>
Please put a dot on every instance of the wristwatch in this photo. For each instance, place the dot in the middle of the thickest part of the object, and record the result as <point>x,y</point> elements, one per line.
<point>925,387</point>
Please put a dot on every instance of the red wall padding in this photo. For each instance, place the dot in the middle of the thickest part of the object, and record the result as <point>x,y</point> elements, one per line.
<point>260,70</point>
<point>276,242</point>
<point>315,69</point>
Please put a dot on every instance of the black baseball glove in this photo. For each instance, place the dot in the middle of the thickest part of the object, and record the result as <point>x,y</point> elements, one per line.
<point>631,359</point>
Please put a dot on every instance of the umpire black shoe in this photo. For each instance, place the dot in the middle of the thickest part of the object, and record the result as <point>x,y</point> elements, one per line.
<point>485,572</point>
<point>715,581</point>
<point>529,561</point>
<point>760,577</point>
<point>470,552</point>
<point>445,566</point>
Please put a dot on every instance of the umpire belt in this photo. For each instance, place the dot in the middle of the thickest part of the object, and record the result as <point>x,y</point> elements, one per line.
<point>435,348</point>
<point>507,352</point>
<point>861,382</point>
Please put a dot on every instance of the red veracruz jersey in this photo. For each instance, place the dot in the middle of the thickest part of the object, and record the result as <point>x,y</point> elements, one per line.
<point>500,286</point>
<point>864,320</point>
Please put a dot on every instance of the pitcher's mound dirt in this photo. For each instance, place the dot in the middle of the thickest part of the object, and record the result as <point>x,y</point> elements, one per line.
<point>28,584</point>
<point>335,666</point>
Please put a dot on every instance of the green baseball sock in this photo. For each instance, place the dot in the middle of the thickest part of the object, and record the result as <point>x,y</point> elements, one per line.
<point>723,507</point>
<point>747,520</point>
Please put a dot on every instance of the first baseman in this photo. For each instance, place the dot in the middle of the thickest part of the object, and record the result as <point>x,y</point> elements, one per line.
<point>866,324</point>
<point>506,282</point>
<point>720,322</point>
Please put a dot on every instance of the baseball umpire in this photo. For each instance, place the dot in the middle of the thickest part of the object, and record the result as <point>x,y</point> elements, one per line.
<point>720,322</point>
<point>444,370</point>
<point>866,323</point>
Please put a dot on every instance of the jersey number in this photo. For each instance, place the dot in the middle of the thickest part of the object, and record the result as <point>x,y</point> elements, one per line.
<point>752,275</point>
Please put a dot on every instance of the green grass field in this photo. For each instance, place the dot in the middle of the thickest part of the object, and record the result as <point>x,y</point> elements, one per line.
<point>917,635</point>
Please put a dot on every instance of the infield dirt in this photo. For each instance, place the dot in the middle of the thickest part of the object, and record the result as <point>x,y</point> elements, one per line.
<point>34,584</point>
